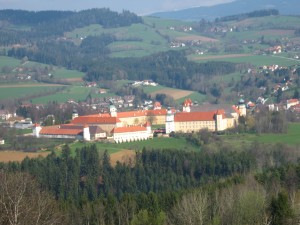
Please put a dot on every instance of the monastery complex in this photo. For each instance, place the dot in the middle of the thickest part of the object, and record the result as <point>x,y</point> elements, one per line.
<point>136,125</point>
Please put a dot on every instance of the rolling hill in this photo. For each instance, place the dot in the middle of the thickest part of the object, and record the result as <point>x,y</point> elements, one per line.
<point>285,7</point>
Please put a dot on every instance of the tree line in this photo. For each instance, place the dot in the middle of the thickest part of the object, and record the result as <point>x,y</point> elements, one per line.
<point>52,24</point>
<point>168,187</point>
<point>257,13</point>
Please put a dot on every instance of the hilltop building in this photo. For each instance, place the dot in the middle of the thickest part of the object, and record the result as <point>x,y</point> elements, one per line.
<point>120,126</point>
<point>132,133</point>
<point>136,125</point>
<point>291,102</point>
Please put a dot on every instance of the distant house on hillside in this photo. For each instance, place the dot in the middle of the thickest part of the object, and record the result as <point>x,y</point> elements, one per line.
<point>2,142</point>
<point>5,115</point>
<point>291,102</point>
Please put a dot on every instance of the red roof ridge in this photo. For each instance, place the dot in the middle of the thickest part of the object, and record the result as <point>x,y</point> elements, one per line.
<point>128,129</point>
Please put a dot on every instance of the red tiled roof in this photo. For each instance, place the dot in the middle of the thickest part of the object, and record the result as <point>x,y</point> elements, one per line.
<point>196,116</point>
<point>294,100</point>
<point>95,120</point>
<point>156,112</point>
<point>157,104</point>
<point>128,129</point>
<point>139,113</point>
<point>187,102</point>
<point>235,109</point>
<point>55,130</point>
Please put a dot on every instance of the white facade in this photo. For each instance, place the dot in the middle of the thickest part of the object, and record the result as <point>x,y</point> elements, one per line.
<point>130,136</point>
<point>61,136</point>
<point>86,133</point>
<point>133,133</point>
<point>36,130</point>
<point>170,123</point>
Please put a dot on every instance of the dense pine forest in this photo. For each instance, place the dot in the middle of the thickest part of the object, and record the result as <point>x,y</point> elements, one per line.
<point>228,185</point>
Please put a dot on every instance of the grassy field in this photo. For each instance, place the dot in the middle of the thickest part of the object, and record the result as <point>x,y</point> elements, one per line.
<point>73,92</point>
<point>257,60</point>
<point>156,143</point>
<point>8,61</point>
<point>269,21</point>
<point>270,34</point>
<point>195,97</point>
<point>133,41</point>
<point>139,39</point>
<point>64,73</point>
<point>18,92</point>
<point>164,23</point>
<point>292,137</point>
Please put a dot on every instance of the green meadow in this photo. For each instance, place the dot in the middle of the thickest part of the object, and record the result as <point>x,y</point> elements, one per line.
<point>292,137</point>
<point>8,61</point>
<point>18,92</point>
<point>136,40</point>
<point>151,89</point>
<point>278,22</point>
<point>78,93</point>
<point>159,23</point>
<point>64,73</point>
<point>257,60</point>
<point>195,97</point>
<point>155,143</point>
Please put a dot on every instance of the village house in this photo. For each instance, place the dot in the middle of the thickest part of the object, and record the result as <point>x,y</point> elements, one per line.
<point>5,114</point>
<point>291,102</point>
<point>295,108</point>
<point>2,142</point>
<point>132,133</point>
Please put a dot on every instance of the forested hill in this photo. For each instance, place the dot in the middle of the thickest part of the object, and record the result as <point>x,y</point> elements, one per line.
<point>57,22</point>
<point>257,13</point>
<point>285,7</point>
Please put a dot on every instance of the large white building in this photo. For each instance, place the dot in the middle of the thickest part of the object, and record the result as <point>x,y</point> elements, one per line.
<point>211,117</point>
<point>132,133</point>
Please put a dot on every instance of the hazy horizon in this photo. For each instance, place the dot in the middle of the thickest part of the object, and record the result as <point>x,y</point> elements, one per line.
<point>138,7</point>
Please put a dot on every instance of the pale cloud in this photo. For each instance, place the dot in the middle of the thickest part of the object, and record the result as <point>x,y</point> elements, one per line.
<point>137,6</point>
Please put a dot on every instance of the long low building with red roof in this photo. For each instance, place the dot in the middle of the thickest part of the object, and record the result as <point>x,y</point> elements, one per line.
<point>69,131</point>
<point>132,133</point>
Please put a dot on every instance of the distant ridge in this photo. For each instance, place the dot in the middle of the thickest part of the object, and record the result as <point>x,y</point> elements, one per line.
<point>285,7</point>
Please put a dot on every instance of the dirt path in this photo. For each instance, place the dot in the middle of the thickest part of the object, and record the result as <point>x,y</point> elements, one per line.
<point>123,156</point>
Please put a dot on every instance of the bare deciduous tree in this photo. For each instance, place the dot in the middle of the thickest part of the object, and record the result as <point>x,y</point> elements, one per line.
<point>22,202</point>
<point>191,210</point>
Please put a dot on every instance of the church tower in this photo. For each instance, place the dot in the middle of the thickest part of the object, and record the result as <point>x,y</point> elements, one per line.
<point>113,111</point>
<point>242,107</point>
<point>74,114</point>
<point>186,107</point>
<point>36,130</point>
<point>170,122</point>
<point>86,133</point>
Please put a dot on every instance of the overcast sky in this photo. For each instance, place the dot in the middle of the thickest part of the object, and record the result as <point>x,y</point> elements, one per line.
<point>140,7</point>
